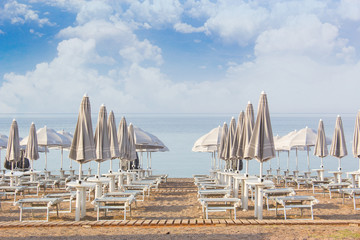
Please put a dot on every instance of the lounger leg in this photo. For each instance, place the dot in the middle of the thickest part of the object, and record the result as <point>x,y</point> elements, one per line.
<point>285,211</point>
<point>354,201</point>
<point>47,214</point>
<point>312,214</point>
<point>21,212</point>
<point>125,213</point>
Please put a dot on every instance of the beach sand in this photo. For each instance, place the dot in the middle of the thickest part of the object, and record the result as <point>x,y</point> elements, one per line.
<point>177,199</point>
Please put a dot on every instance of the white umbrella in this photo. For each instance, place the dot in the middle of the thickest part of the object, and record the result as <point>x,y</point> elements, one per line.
<point>320,145</point>
<point>236,141</point>
<point>356,139</point>
<point>82,148</point>
<point>47,137</point>
<point>66,144</point>
<point>338,145</point>
<point>101,138</point>
<point>113,139</point>
<point>283,144</point>
<point>224,132</point>
<point>226,154</point>
<point>246,135</point>
<point>13,145</point>
<point>132,148</point>
<point>261,145</point>
<point>123,139</point>
<point>31,151</point>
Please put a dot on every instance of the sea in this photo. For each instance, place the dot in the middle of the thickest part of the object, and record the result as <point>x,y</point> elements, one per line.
<point>179,132</point>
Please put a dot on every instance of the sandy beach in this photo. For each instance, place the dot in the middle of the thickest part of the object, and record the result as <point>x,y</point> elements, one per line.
<point>175,201</point>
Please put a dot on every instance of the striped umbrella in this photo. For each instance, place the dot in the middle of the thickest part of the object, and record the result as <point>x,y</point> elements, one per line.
<point>236,143</point>
<point>356,139</point>
<point>31,150</point>
<point>114,143</point>
<point>320,145</point>
<point>224,132</point>
<point>13,145</point>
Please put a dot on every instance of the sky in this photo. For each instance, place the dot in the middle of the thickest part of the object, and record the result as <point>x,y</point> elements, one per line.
<point>171,56</point>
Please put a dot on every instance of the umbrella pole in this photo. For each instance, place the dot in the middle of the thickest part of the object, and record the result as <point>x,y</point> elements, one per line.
<point>261,171</point>
<point>32,164</point>
<point>297,160</point>
<point>111,162</point>
<point>322,165</point>
<point>339,164</point>
<point>80,172</point>
<point>247,167</point>
<point>278,153</point>
<point>62,158</point>
<point>150,161</point>
<point>98,170</point>
<point>45,158</point>
<point>147,159</point>
<point>288,160</point>
<point>308,158</point>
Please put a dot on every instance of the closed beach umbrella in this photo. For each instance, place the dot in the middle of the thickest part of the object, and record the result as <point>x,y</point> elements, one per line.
<point>338,145</point>
<point>246,135</point>
<point>226,154</point>
<point>82,148</point>
<point>224,133</point>
<point>31,150</point>
<point>236,142</point>
<point>356,139</point>
<point>102,144</point>
<point>13,145</point>
<point>113,139</point>
<point>132,148</point>
<point>123,138</point>
<point>261,145</point>
<point>320,145</point>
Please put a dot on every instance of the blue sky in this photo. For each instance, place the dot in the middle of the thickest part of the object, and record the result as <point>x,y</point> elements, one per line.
<point>191,56</point>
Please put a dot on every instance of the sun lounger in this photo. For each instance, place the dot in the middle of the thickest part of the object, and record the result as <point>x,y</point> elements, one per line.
<point>67,197</point>
<point>8,190</point>
<point>318,183</point>
<point>220,193</point>
<point>273,193</point>
<point>112,203</point>
<point>354,193</point>
<point>300,202</point>
<point>143,188</point>
<point>334,187</point>
<point>219,205</point>
<point>39,203</point>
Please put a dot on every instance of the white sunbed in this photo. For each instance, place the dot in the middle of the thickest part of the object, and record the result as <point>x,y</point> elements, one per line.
<point>300,202</point>
<point>112,203</point>
<point>219,205</point>
<point>67,197</point>
<point>354,193</point>
<point>273,193</point>
<point>39,203</point>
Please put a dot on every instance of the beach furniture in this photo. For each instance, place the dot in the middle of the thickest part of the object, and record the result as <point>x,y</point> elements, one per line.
<point>353,193</point>
<point>67,197</point>
<point>273,193</point>
<point>290,202</point>
<point>113,203</point>
<point>334,187</point>
<point>38,204</point>
<point>220,193</point>
<point>143,188</point>
<point>12,190</point>
<point>219,205</point>
<point>318,183</point>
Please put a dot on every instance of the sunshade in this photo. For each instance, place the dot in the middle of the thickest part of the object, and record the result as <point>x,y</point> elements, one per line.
<point>338,145</point>
<point>82,148</point>
<point>66,144</point>
<point>261,145</point>
<point>236,142</point>
<point>31,151</point>
<point>13,145</point>
<point>356,139</point>
<point>132,147</point>
<point>246,134</point>
<point>3,144</point>
<point>102,144</point>
<point>113,139</point>
<point>224,133</point>
<point>123,138</point>
<point>320,145</point>
<point>229,142</point>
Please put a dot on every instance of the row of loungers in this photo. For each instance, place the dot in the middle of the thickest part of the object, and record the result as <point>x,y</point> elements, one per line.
<point>122,199</point>
<point>216,197</point>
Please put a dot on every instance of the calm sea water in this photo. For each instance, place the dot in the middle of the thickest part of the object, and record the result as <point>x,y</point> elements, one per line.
<point>180,131</point>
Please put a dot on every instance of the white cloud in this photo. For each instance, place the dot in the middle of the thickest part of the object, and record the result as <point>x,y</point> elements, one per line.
<point>156,13</point>
<point>304,35</point>
<point>2,32</point>
<point>21,13</point>
<point>350,9</point>
<point>186,28</point>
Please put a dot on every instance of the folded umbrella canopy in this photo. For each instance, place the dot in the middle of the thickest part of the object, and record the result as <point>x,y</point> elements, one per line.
<point>356,139</point>
<point>261,145</point>
<point>102,144</point>
<point>13,145</point>
<point>113,140</point>
<point>338,146</point>
<point>3,144</point>
<point>229,144</point>
<point>320,145</point>
<point>236,142</point>
<point>82,148</point>
<point>123,138</point>
<point>224,132</point>
<point>31,150</point>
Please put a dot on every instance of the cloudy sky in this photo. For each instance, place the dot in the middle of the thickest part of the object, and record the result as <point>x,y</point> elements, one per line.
<point>190,56</point>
